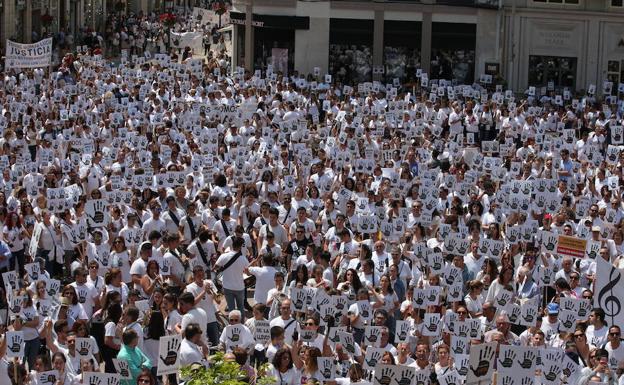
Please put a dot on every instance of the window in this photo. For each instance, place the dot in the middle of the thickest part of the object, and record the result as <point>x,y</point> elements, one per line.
<point>570,2</point>
<point>561,71</point>
<point>617,3</point>
<point>615,74</point>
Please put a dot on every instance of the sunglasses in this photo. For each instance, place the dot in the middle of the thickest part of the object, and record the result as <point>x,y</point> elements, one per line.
<point>144,381</point>
<point>614,334</point>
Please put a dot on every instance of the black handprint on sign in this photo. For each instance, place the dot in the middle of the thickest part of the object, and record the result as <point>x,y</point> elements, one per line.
<point>462,330</point>
<point>93,380</point>
<point>373,335</point>
<point>406,377</point>
<point>172,352</point>
<point>234,335</point>
<point>420,298</point>
<point>530,315</point>
<point>515,314</point>
<point>507,380</point>
<point>421,379</point>
<point>569,321</point>
<point>553,373</point>
<point>374,358</point>
<point>433,326</point>
<point>459,347</point>
<point>508,359</point>
<point>451,277</point>
<point>327,369</point>
<point>124,370</point>
<point>527,360</point>
<point>385,378</point>
<point>550,246</point>
<point>484,362</point>
<point>83,349</point>
<point>15,345</point>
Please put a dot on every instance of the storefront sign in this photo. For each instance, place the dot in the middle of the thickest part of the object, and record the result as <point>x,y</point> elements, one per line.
<point>556,39</point>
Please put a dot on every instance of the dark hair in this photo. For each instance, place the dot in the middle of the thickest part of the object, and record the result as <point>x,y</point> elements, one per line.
<point>301,269</point>
<point>191,330</point>
<point>600,314</point>
<point>132,312</point>
<point>114,312</point>
<point>276,331</point>
<point>146,373</point>
<point>155,326</point>
<point>278,358</point>
<point>74,300</point>
<point>128,336</point>
<point>187,298</point>
<point>241,355</point>
<point>357,284</point>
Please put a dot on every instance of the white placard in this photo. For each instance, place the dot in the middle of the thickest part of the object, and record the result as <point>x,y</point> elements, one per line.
<point>168,349</point>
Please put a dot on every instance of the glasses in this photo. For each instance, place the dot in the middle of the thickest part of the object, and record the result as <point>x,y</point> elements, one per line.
<point>92,267</point>
<point>579,335</point>
<point>614,334</point>
<point>462,312</point>
<point>144,381</point>
<point>574,278</point>
<point>299,232</point>
<point>234,319</point>
<point>587,297</point>
<point>117,242</point>
<point>310,324</point>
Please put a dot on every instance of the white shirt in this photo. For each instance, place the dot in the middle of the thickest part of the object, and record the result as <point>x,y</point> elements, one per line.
<point>233,275</point>
<point>191,353</point>
<point>207,302</point>
<point>198,316</point>
<point>87,293</point>
<point>264,281</point>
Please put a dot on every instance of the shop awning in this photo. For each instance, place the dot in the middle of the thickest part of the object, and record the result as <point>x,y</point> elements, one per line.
<point>272,21</point>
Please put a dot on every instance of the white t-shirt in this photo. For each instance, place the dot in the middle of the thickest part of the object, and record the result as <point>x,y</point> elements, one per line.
<point>597,337</point>
<point>233,275</point>
<point>264,281</point>
<point>207,303</point>
<point>190,354</point>
<point>87,293</point>
<point>198,316</point>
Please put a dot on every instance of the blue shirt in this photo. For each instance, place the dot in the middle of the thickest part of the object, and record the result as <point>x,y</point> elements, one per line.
<point>6,252</point>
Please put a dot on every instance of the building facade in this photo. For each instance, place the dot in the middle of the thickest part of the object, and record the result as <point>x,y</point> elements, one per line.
<point>566,44</point>
<point>543,43</point>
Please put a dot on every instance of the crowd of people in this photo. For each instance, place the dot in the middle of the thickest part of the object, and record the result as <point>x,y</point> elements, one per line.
<point>328,230</point>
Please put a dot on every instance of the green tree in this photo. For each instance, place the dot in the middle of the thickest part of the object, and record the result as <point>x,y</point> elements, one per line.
<point>221,372</point>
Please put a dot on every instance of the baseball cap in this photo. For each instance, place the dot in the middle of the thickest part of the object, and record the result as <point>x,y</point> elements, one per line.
<point>553,308</point>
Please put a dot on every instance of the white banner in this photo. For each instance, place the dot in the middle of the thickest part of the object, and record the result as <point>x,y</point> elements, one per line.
<point>205,16</point>
<point>609,290</point>
<point>187,39</point>
<point>36,55</point>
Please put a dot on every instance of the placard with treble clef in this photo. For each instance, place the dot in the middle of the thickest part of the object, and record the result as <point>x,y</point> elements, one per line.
<point>609,289</point>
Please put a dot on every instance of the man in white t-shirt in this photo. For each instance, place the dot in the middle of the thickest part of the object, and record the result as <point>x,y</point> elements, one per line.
<point>232,264</point>
<point>204,292</point>
<point>264,277</point>
<point>191,314</point>
<point>87,294</point>
<point>192,349</point>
